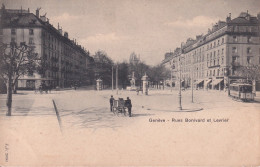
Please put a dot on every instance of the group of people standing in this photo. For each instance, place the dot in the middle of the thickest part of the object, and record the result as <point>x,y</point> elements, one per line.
<point>44,88</point>
<point>128,105</point>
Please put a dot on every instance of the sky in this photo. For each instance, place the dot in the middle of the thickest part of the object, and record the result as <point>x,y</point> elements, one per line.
<point>150,28</point>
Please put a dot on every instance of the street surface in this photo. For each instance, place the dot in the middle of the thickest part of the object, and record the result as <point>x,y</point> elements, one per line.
<point>157,134</point>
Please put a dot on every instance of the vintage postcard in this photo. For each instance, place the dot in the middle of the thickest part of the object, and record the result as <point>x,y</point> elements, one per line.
<point>130,83</point>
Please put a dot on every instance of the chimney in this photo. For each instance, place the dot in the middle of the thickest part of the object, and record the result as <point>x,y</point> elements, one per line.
<point>38,12</point>
<point>247,15</point>
<point>60,30</point>
<point>66,34</point>
<point>228,19</point>
<point>43,18</point>
<point>258,16</point>
<point>28,10</point>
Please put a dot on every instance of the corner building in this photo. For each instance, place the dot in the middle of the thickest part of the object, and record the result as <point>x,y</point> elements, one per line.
<point>210,60</point>
<point>64,62</point>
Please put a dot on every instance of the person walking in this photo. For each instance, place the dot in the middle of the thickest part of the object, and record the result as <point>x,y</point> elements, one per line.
<point>128,104</point>
<point>111,102</point>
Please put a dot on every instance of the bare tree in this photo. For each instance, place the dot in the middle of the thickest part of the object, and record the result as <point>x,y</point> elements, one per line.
<point>250,72</point>
<point>15,60</point>
<point>103,67</point>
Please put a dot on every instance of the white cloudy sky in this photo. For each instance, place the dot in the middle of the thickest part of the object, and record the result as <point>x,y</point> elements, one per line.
<point>147,27</point>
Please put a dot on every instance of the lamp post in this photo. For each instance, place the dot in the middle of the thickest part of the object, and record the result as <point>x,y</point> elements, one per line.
<point>180,106</point>
<point>112,78</point>
<point>192,68</point>
<point>171,79</point>
<point>117,79</point>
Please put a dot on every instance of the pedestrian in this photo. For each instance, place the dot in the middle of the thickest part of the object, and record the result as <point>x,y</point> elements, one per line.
<point>111,102</point>
<point>128,104</point>
<point>137,91</point>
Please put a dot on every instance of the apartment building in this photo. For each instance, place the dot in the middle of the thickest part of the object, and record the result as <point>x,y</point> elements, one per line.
<point>209,61</point>
<point>64,62</point>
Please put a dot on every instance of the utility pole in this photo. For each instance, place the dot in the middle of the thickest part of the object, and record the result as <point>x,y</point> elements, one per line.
<point>117,79</point>
<point>180,107</point>
<point>112,78</point>
<point>171,79</point>
<point>192,68</point>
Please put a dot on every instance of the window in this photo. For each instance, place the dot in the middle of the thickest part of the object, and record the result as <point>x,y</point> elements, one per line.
<point>222,51</point>
<point>222,40</point>
<point>235,59</point>
<point>249,39</point>
<point>13,39</point>
<point>31,41</point>
<point>31,31</point>
<point>222,60</point>
<point>218,42</point>
<point>13,31</point>
<point>249,50</point>
<point>211,45</point>
<point>249,59</point>
<point>213,72</point>
<point>234,38</point>
<point>234,50</point>
<point>215,44</point>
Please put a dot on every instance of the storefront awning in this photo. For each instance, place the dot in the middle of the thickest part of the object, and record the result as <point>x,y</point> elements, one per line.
<point>198,81</point>
<point>216,81</point>
<point>208,81</point>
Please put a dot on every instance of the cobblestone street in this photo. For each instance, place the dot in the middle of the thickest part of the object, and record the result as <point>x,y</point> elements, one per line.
<point>91,133</point>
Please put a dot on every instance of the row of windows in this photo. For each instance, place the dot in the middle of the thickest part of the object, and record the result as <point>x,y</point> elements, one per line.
<point>215,62</point>
<point>249,39</point>
<point>217,72</point>
<point>248,50</point>
<point>13,31</point>
<point>249,59</point>
<point>212,55</point>
<point>31,40</point>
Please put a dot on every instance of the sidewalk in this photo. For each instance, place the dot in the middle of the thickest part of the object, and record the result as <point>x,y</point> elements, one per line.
<point>33,128</point>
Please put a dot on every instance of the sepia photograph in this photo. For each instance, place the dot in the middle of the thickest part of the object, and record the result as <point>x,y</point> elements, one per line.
<point>130,83</point>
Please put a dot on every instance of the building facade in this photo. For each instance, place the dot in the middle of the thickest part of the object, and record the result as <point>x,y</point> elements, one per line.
<point>63,61</point>
<point>210,61</point>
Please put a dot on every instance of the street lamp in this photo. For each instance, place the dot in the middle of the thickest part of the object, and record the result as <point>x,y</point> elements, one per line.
<point>112,78</point>
<point>192,68</point>
<point>117,79</point>
<point>180,106</point>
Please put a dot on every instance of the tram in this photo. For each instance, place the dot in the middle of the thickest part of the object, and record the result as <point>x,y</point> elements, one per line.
<point>242,91</point>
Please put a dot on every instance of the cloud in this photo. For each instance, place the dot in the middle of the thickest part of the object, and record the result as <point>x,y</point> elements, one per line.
<point>198,22</point>
<point>65,17</point>
<point>103,38</point>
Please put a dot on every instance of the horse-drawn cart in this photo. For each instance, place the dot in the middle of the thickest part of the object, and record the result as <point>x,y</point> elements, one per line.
<point>119,106</point>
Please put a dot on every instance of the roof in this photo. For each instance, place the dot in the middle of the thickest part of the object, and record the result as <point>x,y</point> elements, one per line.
<point>13,20</point>
<point>244,20</point>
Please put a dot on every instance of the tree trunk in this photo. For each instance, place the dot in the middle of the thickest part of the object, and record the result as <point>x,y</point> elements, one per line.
<point>14,89</point>
<point>9,96</point>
